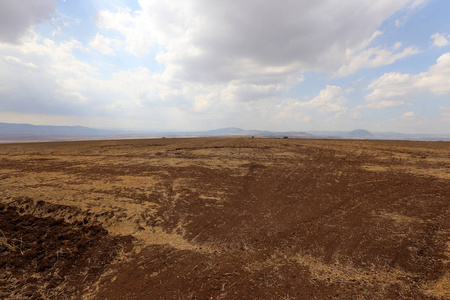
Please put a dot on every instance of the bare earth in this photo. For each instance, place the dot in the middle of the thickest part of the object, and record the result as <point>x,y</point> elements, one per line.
<point>225,218</point>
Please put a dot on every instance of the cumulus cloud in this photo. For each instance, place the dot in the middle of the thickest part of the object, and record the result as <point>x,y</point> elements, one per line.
<point>417,3</point>
<point>15,60</point>
<point>410,120</point>
<point>40,75</point>
<point>18,15</point>
<point>256,42</point>
<point>332,101</point>
<point>445,114</point>
<point>229,61</point>
<point>410,8</point>
<point>409,115</point>
<point>374,57</point>
<point>440,40</point>
<point>102,44</point>
<point>392,89</point>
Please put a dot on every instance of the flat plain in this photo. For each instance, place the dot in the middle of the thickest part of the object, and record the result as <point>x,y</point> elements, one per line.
<point>225,218</point>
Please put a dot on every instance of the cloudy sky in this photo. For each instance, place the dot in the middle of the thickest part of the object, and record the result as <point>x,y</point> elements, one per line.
<point>199,64</point>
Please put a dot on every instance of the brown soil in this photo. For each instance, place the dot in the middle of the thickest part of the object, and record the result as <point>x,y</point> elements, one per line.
<point>225,218</point>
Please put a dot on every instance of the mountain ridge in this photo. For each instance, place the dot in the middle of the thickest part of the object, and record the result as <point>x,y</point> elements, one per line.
<point>12,132</point>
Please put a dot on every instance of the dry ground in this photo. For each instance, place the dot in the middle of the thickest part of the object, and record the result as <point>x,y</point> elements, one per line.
<point>225,218</point>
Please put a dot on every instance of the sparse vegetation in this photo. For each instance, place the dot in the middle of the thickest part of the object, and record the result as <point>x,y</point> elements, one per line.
<point>4,243</point>
<point>225,218</point>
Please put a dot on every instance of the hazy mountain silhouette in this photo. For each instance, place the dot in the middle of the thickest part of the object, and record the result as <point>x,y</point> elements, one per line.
<point>18,129</point>
<point>360,133</point>
<point>365,134</point>
<point>28,132</point>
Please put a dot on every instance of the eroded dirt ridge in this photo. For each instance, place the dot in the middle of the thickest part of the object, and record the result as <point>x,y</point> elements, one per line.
<point>225,218</point>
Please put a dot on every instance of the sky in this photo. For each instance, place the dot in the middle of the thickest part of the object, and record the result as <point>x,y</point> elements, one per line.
<point>297,65</point>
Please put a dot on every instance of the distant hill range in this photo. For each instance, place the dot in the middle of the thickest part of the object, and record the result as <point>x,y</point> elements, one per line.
<point>367,135</point>
<point>28,129</point>
<point>233,131</point>
<point>10,132</point>
<point>28,132</point>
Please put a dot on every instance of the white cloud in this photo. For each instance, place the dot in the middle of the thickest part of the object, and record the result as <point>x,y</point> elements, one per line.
<point>410,121</point>
<point>225,54</point>
<point>374,57</point>
<point>329,109</point>
<point>16,60</point>
<point>17,16</point>
<point>411,7</point>
<point>408,115</point>
<point>392,89</point>
<point>251,42</point>
<point>45,77</point>
<point>445,114</point>
<point>228,62</point>
<point>385,103</point>
<point>41,75</point>
<point>331,100</point>
<point>417,3</point>
<point>439,40</point>
<point>102,44</point>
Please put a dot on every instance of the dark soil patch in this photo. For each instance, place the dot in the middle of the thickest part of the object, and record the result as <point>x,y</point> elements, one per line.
<point>49,258</point>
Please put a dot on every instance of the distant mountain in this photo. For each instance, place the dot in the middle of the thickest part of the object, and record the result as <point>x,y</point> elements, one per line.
<point>233,131</point>
<point>360,133</point>
<point>222,131</point>
<point>365,134</point>
<point>277,134</point>
<point>413,137</point>
<point>258,133</point>
<point>355,134</point>
<point>26,132</point>
<point>48,130</point>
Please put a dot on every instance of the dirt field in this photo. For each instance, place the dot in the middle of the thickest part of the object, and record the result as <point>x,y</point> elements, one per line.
<point>225,218</point>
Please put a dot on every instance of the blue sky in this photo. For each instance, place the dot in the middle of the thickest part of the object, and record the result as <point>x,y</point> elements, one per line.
<point>198,65</point>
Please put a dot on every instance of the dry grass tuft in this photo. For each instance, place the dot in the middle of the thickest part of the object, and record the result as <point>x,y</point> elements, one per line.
<point>400,218</point>
<point>439,288</point>
<point>343,273</point>
<point>4,242</point>
<point>441,173</point>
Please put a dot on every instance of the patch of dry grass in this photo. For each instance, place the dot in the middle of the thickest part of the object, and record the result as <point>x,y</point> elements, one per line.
<point>400,218</point>
<point>340,272</point>
<point>441,173</point>
<point>439,288</point>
